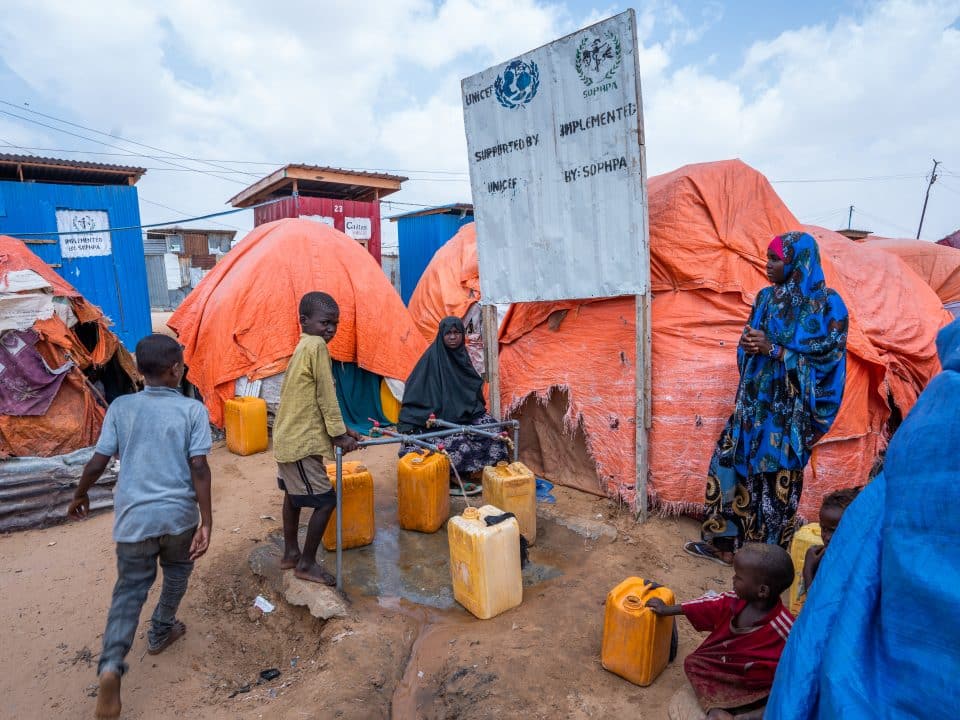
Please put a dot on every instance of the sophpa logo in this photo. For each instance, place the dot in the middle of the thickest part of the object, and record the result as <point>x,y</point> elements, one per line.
<point>517,84</point>
<point>598,58</point>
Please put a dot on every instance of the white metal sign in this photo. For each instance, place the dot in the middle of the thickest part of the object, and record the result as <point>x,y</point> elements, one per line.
<point>89,233</point>
<point>359,228</point>
<point>557,169</point>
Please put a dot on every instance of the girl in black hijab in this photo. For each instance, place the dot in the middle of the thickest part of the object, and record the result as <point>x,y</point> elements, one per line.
<point>445,384</point>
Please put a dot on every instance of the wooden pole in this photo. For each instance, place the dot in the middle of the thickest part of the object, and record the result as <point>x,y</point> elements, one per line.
<point>643,325</point>
<point>643,416</point>
<point>491,355</point>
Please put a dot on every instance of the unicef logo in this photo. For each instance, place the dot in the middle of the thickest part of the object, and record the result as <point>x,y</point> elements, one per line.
<point>517,84</point>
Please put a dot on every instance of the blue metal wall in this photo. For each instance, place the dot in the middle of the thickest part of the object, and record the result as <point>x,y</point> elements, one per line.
<point>419,238</point>
<point>117,283</point>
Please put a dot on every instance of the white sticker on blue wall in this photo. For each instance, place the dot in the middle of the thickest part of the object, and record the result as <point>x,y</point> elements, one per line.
<point>88,233</point>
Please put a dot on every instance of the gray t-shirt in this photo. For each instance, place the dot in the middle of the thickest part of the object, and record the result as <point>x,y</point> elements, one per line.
<point>154,433</point>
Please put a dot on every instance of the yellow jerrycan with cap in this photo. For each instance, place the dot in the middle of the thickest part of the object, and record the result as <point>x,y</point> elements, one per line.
<point>806,537</point>
<point>485,562</point>
<point>359,527</point>
<point>245,422</point>
<point>513,487</point>
<point>423,491</point>
<point>636,642</point>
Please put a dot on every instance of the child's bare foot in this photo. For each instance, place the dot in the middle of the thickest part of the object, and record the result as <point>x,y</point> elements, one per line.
<point>314,573</point>
<point>289,560</point>
<point>108,698</point>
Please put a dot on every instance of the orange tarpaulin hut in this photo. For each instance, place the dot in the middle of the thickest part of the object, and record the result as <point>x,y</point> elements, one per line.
<point>938,265</point>
<point>567,368</point>
<point>242,320</point>
<point>70,331</point>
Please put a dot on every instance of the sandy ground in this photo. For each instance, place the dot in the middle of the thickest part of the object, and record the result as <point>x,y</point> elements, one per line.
<point>389,658</point>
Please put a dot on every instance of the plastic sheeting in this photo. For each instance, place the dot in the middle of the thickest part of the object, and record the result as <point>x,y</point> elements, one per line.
<point>242,319</point>
<point>938,265</point>
<point>74,418</point>
<point>710,225</point>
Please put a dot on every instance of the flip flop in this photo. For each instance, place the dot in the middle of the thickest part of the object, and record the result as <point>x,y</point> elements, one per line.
<point>704,552</point>
<point>176,632</point>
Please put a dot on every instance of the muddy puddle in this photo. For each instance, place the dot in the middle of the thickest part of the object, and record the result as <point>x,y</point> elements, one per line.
<point>405,574</point>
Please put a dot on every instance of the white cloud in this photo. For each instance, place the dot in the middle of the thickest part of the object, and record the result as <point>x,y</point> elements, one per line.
<point>377,85</point>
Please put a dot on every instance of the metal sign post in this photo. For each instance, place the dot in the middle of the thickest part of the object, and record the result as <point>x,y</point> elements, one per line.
<point>558,175</point>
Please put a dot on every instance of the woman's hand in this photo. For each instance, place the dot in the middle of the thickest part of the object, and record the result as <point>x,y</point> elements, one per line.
<point>755,342</point>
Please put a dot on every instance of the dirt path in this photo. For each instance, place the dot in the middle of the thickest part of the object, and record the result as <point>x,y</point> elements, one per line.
<point>389,657</point>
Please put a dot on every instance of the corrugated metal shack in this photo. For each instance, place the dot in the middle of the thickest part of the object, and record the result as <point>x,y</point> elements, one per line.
<point>177,259</point>
<point>85,202</point>
<point>420,234</point>
<point>344,199</point>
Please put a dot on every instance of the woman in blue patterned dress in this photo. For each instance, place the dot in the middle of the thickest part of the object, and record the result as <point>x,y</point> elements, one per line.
<point>792,361</point>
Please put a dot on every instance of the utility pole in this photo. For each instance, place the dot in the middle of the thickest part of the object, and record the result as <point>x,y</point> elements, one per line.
<point>850,218</point>
<point>933,179</point>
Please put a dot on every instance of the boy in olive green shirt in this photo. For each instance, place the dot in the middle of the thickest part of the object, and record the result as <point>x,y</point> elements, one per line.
<point>307,428</point>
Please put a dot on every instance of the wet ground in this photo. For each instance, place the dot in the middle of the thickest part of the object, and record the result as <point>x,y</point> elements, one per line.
<point>404,648</point>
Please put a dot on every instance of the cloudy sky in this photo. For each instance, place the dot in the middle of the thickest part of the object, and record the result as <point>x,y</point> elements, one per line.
<point>839,103</point>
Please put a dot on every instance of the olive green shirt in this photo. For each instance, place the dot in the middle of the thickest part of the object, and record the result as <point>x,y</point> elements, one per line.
<point>309,415</point>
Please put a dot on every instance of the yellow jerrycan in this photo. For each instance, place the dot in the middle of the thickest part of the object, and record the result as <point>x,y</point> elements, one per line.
<point>245,420</point>
<point>805,538</point>
<point>485,562</point>
<point>513,488</point>
<point>423,491</point>
<point>359,527</point>
<point>636,642</point>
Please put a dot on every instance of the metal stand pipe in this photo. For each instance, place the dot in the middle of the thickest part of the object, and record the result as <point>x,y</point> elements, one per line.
<point>338,454</point>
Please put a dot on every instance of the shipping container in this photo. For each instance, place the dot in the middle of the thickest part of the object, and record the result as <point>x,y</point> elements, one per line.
<point>344,199</point>
<point>420,234</point>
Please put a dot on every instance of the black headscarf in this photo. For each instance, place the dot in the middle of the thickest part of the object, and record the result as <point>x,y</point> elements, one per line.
<point>444,383</point>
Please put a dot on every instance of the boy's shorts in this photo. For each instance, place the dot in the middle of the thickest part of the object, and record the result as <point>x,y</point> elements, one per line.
<point>307,483</point>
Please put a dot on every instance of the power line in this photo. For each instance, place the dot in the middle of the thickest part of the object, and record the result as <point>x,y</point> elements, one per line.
<point>173,209</point>
<point>462,173</point>
<point>117,147</point>
<point>150,225</point>
<point>877,218</point>
<point>106,134</point>
<point>826,215</point>
<point>851,179</point>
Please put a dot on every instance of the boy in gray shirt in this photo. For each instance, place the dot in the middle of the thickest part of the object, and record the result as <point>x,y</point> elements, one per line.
<point>162,440</point>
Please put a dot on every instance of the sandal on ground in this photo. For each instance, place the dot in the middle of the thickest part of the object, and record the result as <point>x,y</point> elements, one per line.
<point>176,632</point>
<point>705,552</point>
<point>469,489</point>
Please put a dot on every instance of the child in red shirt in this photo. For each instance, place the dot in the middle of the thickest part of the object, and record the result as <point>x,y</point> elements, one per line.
<point>732,670</point>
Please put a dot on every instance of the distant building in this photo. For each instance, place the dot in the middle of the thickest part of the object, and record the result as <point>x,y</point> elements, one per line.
<point>177,259</point>
<point>87,215</point>
<point>855,234</point>
<point>420,234</point>
<point>344,199</point>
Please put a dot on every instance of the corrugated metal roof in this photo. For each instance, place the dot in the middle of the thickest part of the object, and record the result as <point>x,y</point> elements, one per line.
<point>451,209</point>
<point>178,230</point>
<point>348,171</point>
<point>48,169</point>
<point>319,181</point>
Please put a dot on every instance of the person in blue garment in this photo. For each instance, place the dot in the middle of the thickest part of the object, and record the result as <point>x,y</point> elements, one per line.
<point>879,633</point>
<point>792,361</point>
